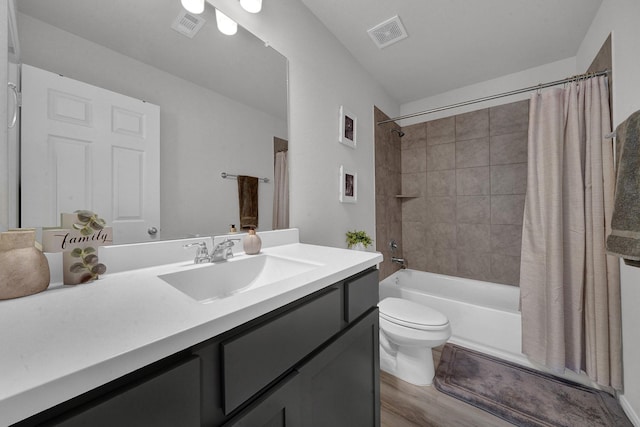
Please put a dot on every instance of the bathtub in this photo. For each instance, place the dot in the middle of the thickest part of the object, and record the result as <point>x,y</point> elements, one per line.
<point>484,316</point>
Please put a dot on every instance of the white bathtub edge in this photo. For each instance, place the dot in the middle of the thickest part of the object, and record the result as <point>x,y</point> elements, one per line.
<point>492,351</point>
<point>628,409</point>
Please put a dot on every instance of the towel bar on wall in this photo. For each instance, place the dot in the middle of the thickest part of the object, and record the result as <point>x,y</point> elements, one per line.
<point>228,175</point>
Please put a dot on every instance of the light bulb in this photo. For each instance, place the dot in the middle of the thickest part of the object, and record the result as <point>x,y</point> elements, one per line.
<point>193,6</point>
<point>226,25</point>
<point>252,6</point>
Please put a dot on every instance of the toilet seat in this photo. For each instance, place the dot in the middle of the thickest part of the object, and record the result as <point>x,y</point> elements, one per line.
<point>412,315</point>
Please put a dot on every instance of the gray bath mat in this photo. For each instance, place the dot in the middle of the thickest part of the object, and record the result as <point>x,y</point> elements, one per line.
<point>522,396</point>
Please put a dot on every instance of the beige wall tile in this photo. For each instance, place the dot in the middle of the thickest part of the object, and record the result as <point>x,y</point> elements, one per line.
<point>473,181</point>
<point>441,183</point>
<point>472,153</point>
<point>414,209</point>
<point>441,131</point>
<point>474,265</point>
<point>506,239</point>
<point>509,148</point>
<point>507,209</point>
<point>469,172</point>
<point>444,261</point>
<point>441,157</point>
<point>441,235</point>
<point>509,118</point>
<point>414,184</point>
<point>474,124</point>
<point>441,209</point>
<point>509,179</point>
<point>413,237</point>
<point>414,160</point>
<point>415,136</point>
<point>473,210</point>
<point>474,237</point>
<point>505,269</point>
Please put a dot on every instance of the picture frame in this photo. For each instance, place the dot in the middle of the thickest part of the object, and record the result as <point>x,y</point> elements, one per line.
<point>348,128</point>
<point>348,186</point>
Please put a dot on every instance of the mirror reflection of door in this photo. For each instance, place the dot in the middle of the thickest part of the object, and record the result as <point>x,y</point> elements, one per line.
<point>84,147</point>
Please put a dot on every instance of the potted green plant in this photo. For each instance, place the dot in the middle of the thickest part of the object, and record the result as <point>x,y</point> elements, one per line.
<point>358,240</point>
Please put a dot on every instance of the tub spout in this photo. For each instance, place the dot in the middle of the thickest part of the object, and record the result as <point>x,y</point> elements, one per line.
<point>401,261</point>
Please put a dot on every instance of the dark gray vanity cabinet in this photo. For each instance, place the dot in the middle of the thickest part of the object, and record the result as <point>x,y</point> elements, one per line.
<point>313,362</point>
<point>341,383</point>
<point>278,408</point>
<point>253,359</point>
<point>169,397</point>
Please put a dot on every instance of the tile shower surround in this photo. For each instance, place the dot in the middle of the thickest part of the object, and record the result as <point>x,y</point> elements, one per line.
<point>388,185</point>
<point>469,175</point>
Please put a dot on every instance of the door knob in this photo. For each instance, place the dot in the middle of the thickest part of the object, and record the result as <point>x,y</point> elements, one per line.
<point>152,231</point>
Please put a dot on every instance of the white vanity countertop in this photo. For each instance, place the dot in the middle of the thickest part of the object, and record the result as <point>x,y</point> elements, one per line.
<point>70,339</point>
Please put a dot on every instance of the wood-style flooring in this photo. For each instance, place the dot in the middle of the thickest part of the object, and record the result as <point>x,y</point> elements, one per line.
<point>407,405</point>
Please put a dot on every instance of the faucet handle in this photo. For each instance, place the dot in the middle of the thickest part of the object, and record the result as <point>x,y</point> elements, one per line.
<point>202,252</point>
<point>200,245</point>
<point>227,243</point>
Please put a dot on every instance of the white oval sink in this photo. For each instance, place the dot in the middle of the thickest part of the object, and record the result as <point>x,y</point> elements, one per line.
<point>221,280</point>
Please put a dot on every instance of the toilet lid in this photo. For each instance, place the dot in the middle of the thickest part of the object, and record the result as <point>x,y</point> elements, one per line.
<point>411,313</point>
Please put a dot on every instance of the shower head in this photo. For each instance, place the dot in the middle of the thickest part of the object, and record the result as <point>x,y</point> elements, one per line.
<point>398,131</point>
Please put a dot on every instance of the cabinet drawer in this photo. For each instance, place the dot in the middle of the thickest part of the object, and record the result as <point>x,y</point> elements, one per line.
<point>252,360</point>
<point>169,398</point>
<point>361,294</point>
<point>279,407</point>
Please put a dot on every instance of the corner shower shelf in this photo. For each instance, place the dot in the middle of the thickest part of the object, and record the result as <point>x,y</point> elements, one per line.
<point>406,196</point>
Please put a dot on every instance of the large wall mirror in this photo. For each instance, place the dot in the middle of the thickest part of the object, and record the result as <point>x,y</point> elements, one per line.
<point>222,99</point>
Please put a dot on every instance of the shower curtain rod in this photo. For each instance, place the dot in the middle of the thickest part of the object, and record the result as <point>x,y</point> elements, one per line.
<point>500,95</point>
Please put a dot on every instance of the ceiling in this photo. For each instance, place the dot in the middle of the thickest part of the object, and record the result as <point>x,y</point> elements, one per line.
<point>454,43</point>
<point>451,43</point>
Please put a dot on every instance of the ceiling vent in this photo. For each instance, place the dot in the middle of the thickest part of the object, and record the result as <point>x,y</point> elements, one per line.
<point>187,24</point>
<point>388,32</point>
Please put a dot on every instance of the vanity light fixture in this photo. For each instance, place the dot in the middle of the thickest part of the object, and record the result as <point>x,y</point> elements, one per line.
<point>193,6</point>
<point>251,6</point>
<point>226,25</point>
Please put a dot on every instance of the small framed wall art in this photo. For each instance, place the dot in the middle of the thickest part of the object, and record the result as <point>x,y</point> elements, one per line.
<point>348,128</point>
<point>348,186</point>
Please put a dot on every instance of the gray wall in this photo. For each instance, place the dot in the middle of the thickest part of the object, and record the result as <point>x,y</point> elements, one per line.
<point>468,175</point>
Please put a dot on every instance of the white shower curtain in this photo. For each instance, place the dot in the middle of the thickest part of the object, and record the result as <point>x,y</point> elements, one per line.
<point>281,192</point>
<point>570,288</point>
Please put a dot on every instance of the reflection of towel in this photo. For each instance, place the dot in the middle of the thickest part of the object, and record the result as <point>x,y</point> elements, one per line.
<point>248,200</point>
<point>624,240</point>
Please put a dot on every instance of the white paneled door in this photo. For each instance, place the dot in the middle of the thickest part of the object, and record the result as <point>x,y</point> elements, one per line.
<point>84,147</point>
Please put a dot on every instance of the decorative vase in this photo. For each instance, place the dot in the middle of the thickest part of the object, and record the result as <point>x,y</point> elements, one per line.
<point>252,243</point>
<point>24,270</point>
<point>359,247</point>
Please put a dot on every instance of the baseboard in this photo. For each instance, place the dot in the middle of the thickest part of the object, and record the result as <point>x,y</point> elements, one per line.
<point>626,406</point>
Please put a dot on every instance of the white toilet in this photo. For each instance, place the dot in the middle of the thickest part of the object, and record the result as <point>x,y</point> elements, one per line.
<point>408,332</point>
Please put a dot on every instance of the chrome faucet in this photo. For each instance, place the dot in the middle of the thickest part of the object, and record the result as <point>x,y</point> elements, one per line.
<point>401,261</point>
<point>393,245</point>
<point>202,252</point>
<point>221,252</point>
